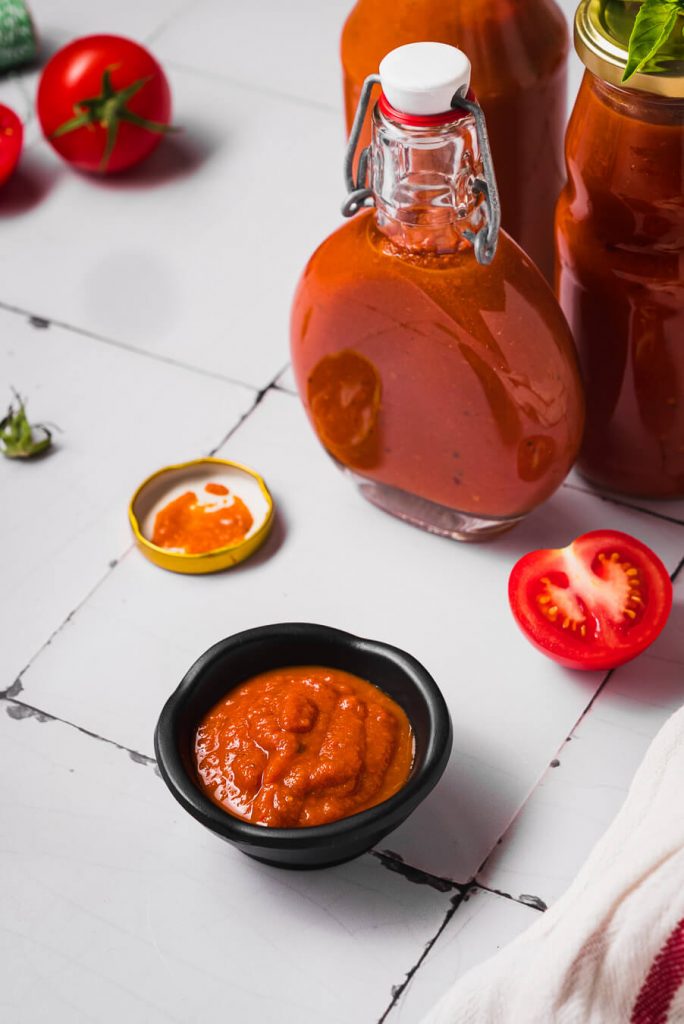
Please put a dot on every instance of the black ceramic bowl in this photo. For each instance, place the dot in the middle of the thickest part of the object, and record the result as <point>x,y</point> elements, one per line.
<point>232,661</point>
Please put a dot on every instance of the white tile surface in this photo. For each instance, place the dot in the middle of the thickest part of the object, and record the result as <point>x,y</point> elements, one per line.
<point>577,799</point>
<point>289,49</point>
<point>13,95</point>
<point>446,603</point>
<point>478,929</point>
<point>194,256</point>
<point>64,517</point>
<point>117,906</point>
<point>58,23</point>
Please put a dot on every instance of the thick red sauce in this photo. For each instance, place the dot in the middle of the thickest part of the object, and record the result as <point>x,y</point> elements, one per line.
<point>303,746</point>
<point>447,380</point>
<point>195,527</point>
<point>620,238</point>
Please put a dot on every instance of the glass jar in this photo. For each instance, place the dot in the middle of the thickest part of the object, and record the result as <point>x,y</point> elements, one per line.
<point>446,389</point>
<point>519,50</point>
<point>620,275</point>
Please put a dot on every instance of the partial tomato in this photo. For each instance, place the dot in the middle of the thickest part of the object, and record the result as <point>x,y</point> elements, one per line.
<point>595,604</point>
<point>104,103</point>
<point>11,139</point>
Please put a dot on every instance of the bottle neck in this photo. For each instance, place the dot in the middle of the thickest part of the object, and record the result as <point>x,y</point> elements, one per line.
<point>422,177</point>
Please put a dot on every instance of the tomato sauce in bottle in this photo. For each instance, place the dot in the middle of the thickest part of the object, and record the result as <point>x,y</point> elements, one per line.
<point>519,50</point>
<point>620,279</point>
<point>447,388</point>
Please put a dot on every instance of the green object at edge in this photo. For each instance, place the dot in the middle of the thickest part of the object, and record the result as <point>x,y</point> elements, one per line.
<point>18,43</point>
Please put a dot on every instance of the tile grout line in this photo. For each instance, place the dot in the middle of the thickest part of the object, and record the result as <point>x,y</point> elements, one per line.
<point>625,504</point>
<point>271,386</point>
<point>39,321</point>
<point>531,902</point>
<point>24,710</point>
<point>394,862</point>
<point>461,896</point>
<point>16,687</point>
<point>398,990</point>
<point>156,32</point>
<point>251,87</point>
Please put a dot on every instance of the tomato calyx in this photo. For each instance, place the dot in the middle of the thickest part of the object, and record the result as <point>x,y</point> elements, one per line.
<point>108,110</point>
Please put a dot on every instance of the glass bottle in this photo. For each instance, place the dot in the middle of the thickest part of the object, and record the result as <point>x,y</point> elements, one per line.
<point>446,388</point>
<point>519,50</point>
<point>620,246</point>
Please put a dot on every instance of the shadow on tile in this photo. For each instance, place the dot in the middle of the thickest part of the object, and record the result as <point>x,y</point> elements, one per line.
<point>28,186</point>
<point>272,544</point>
<point>178,155</point>
<point>470,792</point>
<point>670,644</point>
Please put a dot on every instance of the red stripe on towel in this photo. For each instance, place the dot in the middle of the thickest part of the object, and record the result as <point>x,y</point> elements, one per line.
<point>662,983</point>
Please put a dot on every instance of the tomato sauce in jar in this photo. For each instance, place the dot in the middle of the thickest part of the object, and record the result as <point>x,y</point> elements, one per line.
<point>519,51</point>
<point>620,248</point>
<point>303,746</point>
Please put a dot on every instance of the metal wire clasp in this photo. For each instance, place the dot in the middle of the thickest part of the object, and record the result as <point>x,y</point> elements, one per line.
<point>359,195</point>
<point>486,239</point>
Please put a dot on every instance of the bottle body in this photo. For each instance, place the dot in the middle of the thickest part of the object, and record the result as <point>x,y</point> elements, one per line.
<point>620,249</point>
<point>519,53</point>
<point>450,391</point>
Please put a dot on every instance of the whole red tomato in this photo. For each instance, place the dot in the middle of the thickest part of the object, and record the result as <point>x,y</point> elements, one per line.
<point>104,103</point>
<point>11,138</point>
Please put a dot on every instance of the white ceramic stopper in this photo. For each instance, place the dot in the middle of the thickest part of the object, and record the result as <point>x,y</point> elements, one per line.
<point>422,78</point>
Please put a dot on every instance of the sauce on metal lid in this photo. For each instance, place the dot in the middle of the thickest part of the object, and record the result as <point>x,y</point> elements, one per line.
<point>195,527</point>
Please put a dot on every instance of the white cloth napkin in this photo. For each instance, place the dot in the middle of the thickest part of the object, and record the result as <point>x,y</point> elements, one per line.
<point>611,950</point>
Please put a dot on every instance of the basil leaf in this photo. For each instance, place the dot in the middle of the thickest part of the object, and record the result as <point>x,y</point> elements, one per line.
<point>652,28</point>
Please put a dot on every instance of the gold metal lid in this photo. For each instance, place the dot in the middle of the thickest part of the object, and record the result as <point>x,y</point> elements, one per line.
<point>166,484</point>
<point>602,31</point>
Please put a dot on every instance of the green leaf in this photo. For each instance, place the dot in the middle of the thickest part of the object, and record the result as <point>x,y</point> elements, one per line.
<point>17,436</point>
<point>80,121</point>
<point>143,122</point>
<point>652,28</point>
<point>112,132</point>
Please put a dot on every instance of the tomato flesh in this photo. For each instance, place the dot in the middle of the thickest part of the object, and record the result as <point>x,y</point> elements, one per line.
<point>595,604</point>
<point>11,138</point>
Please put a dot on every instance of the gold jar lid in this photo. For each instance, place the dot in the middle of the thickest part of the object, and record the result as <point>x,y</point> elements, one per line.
<point>602,31</point>
<point>224,481</point>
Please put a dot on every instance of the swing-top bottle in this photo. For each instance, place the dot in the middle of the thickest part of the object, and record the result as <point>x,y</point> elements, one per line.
<point>431,356</point>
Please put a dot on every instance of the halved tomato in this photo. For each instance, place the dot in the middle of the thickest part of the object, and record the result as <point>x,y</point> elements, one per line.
<point>595,604</point>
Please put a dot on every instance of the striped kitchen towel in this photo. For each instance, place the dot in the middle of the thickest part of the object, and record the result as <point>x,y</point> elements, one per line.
<point>611,950</point>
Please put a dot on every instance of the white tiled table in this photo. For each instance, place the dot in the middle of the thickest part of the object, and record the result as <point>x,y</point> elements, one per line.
<point>147,318</point>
